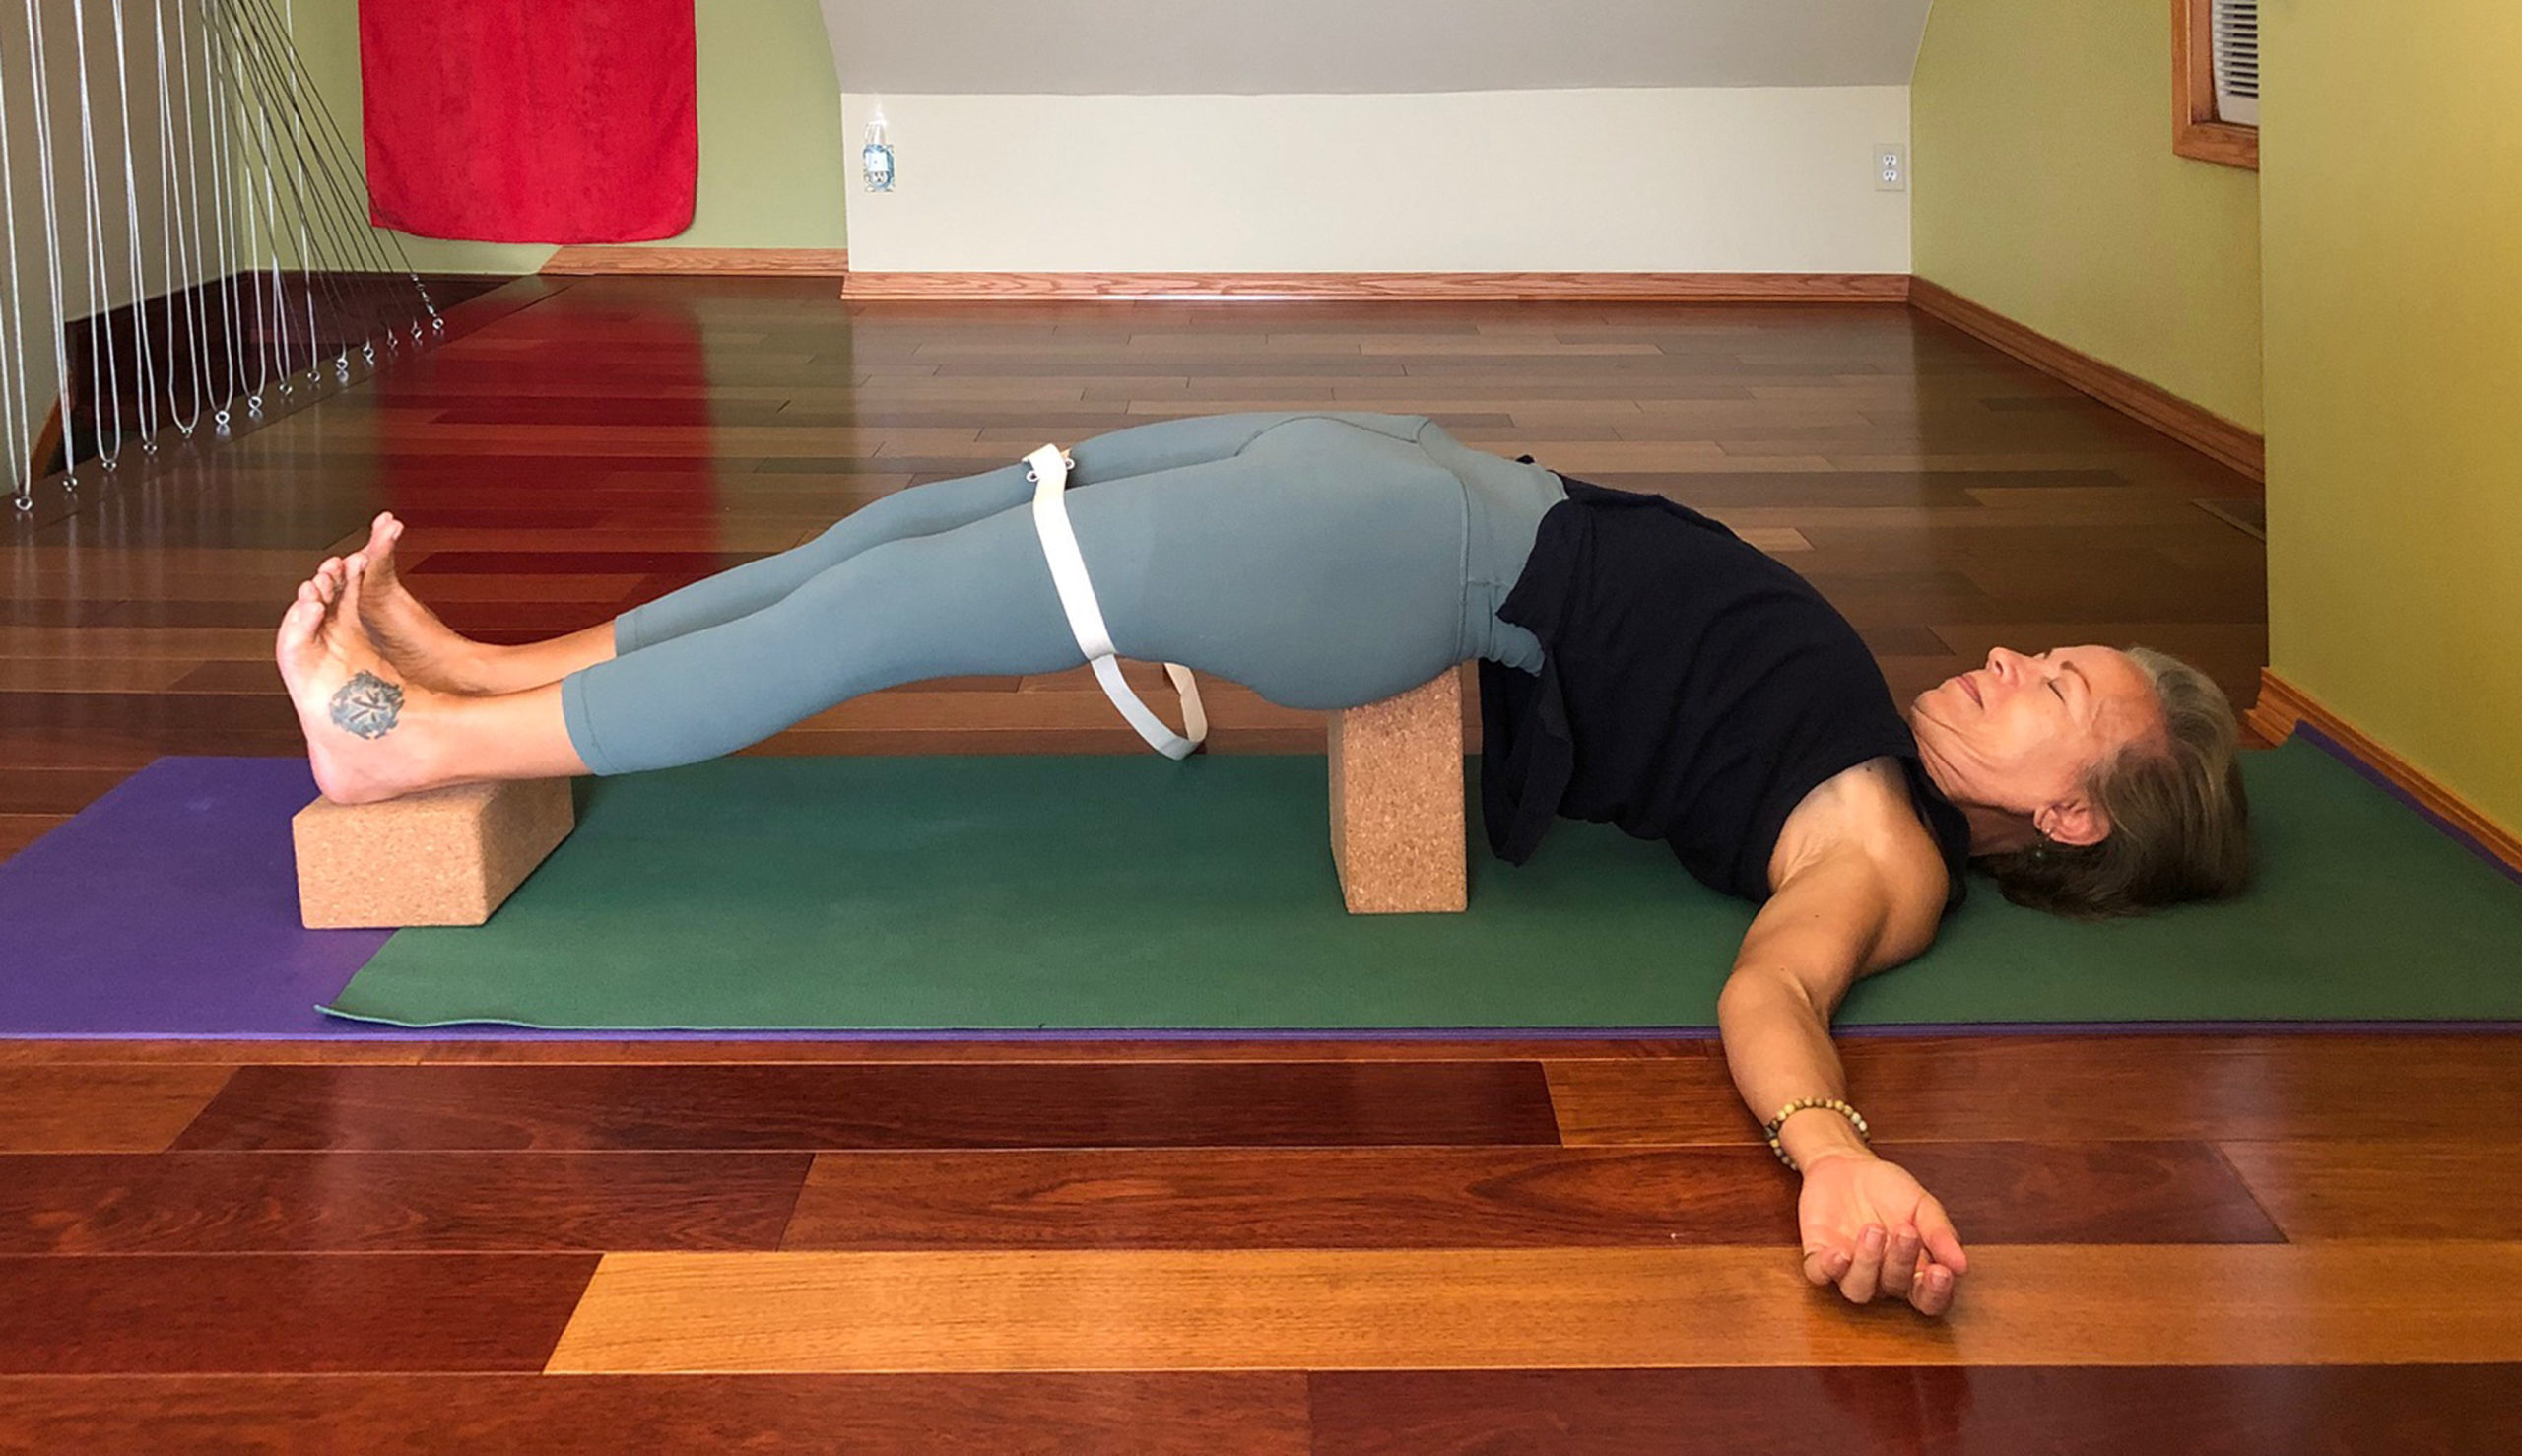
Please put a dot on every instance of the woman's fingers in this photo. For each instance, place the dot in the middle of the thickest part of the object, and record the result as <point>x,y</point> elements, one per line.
<point>1932,1291</point>
<point>1900,1262</point>
<point>1878,1265</point>
<point>1825,1267</point>
<point>1943,1244</point>
<point>1865,1275</point>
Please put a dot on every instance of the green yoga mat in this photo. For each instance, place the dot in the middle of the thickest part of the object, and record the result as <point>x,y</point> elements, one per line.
<point>1098,892</point>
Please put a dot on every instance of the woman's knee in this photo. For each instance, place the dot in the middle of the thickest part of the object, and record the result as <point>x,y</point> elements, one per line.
<point>976,599</point>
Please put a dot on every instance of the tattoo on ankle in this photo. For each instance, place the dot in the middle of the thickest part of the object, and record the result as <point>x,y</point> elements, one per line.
<point>367,705</point>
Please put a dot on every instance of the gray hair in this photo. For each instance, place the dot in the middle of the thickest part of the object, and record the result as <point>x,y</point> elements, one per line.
<point>2180,824</point>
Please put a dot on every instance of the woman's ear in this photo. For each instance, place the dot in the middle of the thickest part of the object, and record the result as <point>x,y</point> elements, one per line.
<point>2073,822</point>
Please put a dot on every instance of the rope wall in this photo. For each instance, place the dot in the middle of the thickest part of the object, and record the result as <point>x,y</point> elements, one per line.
<point>188,236</point>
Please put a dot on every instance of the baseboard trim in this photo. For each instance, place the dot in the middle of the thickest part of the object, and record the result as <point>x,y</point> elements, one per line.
<point>2201,429</point>
<point>2281,706</point>
<point>1635,288</point>
<point>772,262</point>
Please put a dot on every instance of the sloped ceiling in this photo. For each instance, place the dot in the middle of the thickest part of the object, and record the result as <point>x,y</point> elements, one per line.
<point>1261,47</point>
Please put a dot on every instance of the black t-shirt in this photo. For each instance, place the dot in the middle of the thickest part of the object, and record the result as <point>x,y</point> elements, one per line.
<point>1691,690</point>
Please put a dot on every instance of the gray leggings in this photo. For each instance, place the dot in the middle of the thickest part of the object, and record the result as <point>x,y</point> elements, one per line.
<point>1324,561</point>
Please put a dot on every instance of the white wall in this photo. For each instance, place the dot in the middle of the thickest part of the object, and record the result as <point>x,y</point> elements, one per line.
<point>1629,179</point>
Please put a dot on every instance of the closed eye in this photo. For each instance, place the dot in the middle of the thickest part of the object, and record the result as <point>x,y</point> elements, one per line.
<point>2055,684</point>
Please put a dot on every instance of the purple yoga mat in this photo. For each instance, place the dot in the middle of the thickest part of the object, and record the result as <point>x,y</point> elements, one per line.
<point>169,908</point>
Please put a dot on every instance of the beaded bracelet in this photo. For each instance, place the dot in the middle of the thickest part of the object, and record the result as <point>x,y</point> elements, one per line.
<point>1771,1127</point>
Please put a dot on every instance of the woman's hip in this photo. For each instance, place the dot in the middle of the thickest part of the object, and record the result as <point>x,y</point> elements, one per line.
<point>1329,565</point>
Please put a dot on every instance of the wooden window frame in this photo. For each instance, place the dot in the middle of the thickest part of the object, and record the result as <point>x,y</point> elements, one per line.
<point>2195,131</point>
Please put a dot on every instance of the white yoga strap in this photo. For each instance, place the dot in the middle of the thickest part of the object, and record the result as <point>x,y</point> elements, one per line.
<point>1085,619</point>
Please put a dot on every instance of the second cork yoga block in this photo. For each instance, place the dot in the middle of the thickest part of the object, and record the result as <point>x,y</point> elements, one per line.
<point>1397,827</point>
<point>445,857</point>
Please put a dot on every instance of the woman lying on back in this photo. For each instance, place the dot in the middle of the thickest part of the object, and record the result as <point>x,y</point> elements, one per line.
<point>1640,665</point>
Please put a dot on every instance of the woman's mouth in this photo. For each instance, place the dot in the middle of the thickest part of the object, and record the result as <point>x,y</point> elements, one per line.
<point>1974,689</point>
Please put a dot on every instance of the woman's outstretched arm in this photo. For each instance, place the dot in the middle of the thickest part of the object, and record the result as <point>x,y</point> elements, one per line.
<point>1867,1227</point>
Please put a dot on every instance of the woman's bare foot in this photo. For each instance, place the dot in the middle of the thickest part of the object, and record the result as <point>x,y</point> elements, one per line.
<point>353,704</point>
<point>410,637</point>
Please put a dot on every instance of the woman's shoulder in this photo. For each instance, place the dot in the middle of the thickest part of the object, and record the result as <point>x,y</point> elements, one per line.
<point>1867,810</point>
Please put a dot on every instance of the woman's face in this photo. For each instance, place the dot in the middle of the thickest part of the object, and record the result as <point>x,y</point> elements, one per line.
<point>2019,733</point>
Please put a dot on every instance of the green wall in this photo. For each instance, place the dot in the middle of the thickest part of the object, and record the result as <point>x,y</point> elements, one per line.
<point>2392,197</point>
<point>2046,188</point>
<point>773,166</point>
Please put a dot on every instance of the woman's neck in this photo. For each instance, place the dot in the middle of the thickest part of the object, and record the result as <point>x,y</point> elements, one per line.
<point>1993,829</point>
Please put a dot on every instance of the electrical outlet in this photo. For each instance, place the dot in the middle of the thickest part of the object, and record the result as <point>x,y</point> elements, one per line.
<point>1891,166</point>
<point>876,157</point>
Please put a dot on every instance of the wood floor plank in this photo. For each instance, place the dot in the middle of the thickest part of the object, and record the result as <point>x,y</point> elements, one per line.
<point>131,644</point>
<point>2229,1410</point>
<point>1187,1415</point>
<point>1229,1104</point>
<point>101,1108</point>
<point>90,675</point>
<point>1488,1198</point>
<point>192,1313</point>
<point>2325,1303</point>
<point>166,718</point>
<point>2138,1086</point>
<point>395,1202</point>
<point>45,791</point>
<point>2419,1190</point>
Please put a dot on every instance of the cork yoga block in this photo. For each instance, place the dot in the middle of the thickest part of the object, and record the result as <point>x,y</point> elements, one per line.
<point>446,857</point>
<point>1397,828</point>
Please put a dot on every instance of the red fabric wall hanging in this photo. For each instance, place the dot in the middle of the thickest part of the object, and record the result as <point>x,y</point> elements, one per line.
<point>531,121</point>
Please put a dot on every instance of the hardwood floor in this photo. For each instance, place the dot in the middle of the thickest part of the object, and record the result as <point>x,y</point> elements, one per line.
<point>2183,1243</point>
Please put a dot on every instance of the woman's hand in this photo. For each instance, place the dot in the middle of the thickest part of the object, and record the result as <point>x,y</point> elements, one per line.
<point>1870,1230</point>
